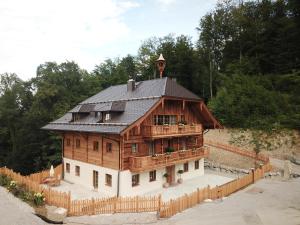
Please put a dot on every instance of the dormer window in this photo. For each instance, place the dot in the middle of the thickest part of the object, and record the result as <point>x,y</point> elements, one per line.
<point>107,116</point>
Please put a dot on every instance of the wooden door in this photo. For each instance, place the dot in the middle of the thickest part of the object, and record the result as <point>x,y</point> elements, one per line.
<point>151,147</point>
<point>171,173</point>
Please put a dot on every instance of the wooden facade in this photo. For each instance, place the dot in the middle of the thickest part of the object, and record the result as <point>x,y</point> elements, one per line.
<point>172,124</point>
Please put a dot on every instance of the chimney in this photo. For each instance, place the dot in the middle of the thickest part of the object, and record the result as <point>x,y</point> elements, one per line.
<point>130,85</point>
<point>161,64</point>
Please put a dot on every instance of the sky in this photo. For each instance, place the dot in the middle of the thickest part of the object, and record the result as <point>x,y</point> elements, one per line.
<point>33,32</point>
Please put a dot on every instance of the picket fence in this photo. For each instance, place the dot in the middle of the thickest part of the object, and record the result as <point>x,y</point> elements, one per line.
<point>139,203</point>
<point>52,197</point>
<point>239,151</point>
<point>115,205</point>
<point>177,205</point>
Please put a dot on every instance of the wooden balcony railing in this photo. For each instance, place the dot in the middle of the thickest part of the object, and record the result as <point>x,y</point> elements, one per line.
<point>144,163</point>
<point>171,130</point>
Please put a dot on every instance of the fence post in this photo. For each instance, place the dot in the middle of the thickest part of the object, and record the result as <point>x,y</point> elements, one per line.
<point>159,203</point>
<point>253,175</point>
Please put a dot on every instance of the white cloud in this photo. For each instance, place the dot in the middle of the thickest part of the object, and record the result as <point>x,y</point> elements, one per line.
<point>35,31</point>
<point>166,2</point>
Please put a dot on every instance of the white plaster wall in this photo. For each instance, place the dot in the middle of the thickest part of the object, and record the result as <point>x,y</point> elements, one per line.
<point>192,173</point>
<point>144,186</point>
<point>126,189</point>
<point>86,176</point>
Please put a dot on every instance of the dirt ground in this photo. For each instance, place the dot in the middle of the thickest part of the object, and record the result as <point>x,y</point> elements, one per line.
<point>284,146</point>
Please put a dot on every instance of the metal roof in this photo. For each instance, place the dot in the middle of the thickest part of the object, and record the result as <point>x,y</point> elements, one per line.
<point>125,106</point>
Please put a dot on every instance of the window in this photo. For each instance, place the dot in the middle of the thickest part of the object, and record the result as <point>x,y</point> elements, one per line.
<point>95,145</point>
<point>77,143</point>
<point>95,179</point>
<point>68,142</point>
<point>165,119</point>
<point>134,148</point>
<point>152,175</point>
<point>108,179</point>
<point>107,116</point>
<point>77,171</point>
<point>108,147</point>
<point>186,167</point>
<point>135,179</point>
<point>160,120</point>
<point>68,167</point>
<point>197,165</point>
<point>173,120</point>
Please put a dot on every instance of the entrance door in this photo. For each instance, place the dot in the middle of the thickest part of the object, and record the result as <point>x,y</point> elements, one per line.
<point>151,148</point>
<point>171,173</point>
<point>95,179</point>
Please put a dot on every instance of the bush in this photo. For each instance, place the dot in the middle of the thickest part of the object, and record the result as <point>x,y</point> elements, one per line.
<point>4,180</point>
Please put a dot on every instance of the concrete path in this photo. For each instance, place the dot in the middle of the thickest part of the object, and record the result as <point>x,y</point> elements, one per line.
<point>278,204</point>
<point>15,212</point>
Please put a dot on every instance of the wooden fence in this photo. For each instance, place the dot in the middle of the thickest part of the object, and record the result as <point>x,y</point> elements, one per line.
<point>139,203</point>
<point>115,205</point>
<point>40,176</point>
<point>234,149</point>
<point>56,198</point>
<point>173,207</point>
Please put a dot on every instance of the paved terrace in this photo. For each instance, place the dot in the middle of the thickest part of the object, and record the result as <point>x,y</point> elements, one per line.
<point>209,178</point>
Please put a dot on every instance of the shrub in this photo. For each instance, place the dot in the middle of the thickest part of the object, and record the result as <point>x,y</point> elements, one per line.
<point>4,180</point>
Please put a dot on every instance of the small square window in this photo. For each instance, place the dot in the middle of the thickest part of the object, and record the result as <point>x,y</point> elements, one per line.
<point>95,145</point>
<point>77,171</point>
<point>134,148</point>
<point>68,142</point>
<point>77,143</point>
<point>68,167</point>
<point>197,165</point>
<point>186,167</point>
<point>135,179</point>
<point>152,175</point>
<point>108,180</point>
<point>108,147</point>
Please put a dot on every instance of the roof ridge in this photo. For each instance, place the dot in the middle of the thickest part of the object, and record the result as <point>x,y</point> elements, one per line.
<point>119,100</point>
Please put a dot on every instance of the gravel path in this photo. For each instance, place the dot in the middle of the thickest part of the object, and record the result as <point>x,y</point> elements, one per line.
<point>15,212</point>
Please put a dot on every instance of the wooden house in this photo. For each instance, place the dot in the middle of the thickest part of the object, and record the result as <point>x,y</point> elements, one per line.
<point>125,139</point>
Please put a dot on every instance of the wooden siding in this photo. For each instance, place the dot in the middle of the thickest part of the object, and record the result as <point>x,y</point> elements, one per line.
<point>86,152</point>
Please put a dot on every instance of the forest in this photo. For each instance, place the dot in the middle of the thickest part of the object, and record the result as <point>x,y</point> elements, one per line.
<point>245,64</point>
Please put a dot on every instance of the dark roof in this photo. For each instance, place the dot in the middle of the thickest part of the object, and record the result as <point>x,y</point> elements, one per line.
<point>144,89</point>
<point>125,106</point>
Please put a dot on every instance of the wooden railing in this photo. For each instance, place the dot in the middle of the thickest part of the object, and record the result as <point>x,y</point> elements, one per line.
<point>142,163</point>
<point>168,130</point>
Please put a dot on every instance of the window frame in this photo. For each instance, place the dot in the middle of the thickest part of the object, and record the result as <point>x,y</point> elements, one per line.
<point>186,167</point>
<point>108,180</point>
<point>134,148</point>
<point>96,146</point>
<point>152,176</point>
<point>196,165</point>
<point>77,143</point>
<point>68,167</point>
<point>77,171</point>
<point>135,180</point>
<point>68,142</point>
<point>108,147</point>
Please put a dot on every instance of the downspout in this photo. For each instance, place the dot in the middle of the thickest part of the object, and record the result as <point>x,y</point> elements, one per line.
<point>118,186</point>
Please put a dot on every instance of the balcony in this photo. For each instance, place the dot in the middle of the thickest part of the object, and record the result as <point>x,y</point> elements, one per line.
<point>153,131</point>
<point>144,163</point>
